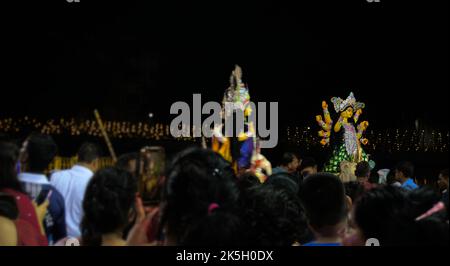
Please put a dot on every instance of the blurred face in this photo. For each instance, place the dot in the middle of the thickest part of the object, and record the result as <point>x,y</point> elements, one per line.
<point>23,151</point>
<point>309,171</point>
<point>292,166</point>
<point>362,179</point>
<point>132,167</point>
<point>23,156</point>
<point>442,182</point>
<point>348,113</point>
<point>398,175</point>
<point>95,165</point>
<point>353,236</point>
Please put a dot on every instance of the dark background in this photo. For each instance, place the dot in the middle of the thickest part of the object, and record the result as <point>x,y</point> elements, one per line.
<point>129,58</point>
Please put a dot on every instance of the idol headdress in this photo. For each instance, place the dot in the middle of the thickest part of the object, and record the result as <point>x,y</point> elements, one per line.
<point>340,104</point>
<point>237,93</point>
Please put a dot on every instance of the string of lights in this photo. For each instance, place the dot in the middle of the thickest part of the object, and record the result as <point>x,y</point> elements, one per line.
<point>74,127</point>
<point>391,140</point>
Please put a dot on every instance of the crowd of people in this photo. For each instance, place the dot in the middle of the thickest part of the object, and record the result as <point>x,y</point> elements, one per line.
<point>205,202</point>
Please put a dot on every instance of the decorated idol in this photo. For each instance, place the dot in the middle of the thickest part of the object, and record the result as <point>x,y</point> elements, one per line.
<point>348,139</point>
<point>241,150</point>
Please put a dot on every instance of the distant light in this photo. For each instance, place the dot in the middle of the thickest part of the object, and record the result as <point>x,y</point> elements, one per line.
<point>150,115</point>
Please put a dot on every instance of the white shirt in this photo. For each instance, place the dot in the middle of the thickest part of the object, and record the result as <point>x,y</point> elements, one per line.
<point>32,183</point>
<point>33,178</point>
<point>72,185</point>
<point>397,184</point>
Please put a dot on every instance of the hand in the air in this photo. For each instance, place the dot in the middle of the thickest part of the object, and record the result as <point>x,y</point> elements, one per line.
<point>41,210</point>
<point>359,112</point>
<point>138,233</point>
<point>364,124</point>
<point>318,118</point>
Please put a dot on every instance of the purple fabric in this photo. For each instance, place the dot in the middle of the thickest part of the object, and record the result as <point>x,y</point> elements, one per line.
<point>246,153</point>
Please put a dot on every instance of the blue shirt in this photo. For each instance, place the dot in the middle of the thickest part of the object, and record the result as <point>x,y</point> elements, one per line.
<point>315,244</point>
<point>409,184</point>
<point>278,170</point>
<point>54,222</point>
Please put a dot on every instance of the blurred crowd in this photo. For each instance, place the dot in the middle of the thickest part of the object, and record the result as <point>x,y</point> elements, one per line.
<point>202,201</point>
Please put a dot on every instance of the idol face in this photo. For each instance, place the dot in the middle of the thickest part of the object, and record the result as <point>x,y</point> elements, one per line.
<point>348,113</point>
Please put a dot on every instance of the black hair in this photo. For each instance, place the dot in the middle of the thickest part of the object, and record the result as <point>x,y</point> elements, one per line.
<point>9,154</point>
<point>109,198</point>
<point>308,162</point>
<point>124,160</point>
<point>422,199</point>
<point>273,216</point>
<point>323,197</point>
<point>374,178</point>
<point>405,167</point>
<point>354,190</point>
<point>380,214</point>
<point>88,152</point>
<point>287,158</point>
<point>283,181</point>
<point>199,200</point>
<point>444,173</point>
<point>247,181</point>
<point>390,177</point>
<point>431,231</point>
<point>387,214</point>
<point>41,151</point>
<point>362,169</point>
<point>8,206</point>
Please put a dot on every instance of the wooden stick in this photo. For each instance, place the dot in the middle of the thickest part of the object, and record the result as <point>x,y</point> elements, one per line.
<point>105,136</point>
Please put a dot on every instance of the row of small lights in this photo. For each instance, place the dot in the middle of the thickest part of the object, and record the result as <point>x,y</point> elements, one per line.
<point>72,127</point>
<point>158,131</point>
<point>393,141</point>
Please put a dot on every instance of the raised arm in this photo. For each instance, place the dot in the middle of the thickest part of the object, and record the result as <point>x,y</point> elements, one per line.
<point>338,124</point>
<point>325,125</point>
<point>361,129</point>
<point>357,114</point>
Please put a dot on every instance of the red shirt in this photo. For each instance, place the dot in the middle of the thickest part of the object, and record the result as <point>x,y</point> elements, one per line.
<point>28,228</point>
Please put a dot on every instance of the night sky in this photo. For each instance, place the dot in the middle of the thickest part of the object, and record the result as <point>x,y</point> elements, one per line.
<point>131,58</point>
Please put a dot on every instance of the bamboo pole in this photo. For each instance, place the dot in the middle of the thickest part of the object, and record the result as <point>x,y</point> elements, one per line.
<point>105,136</point>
